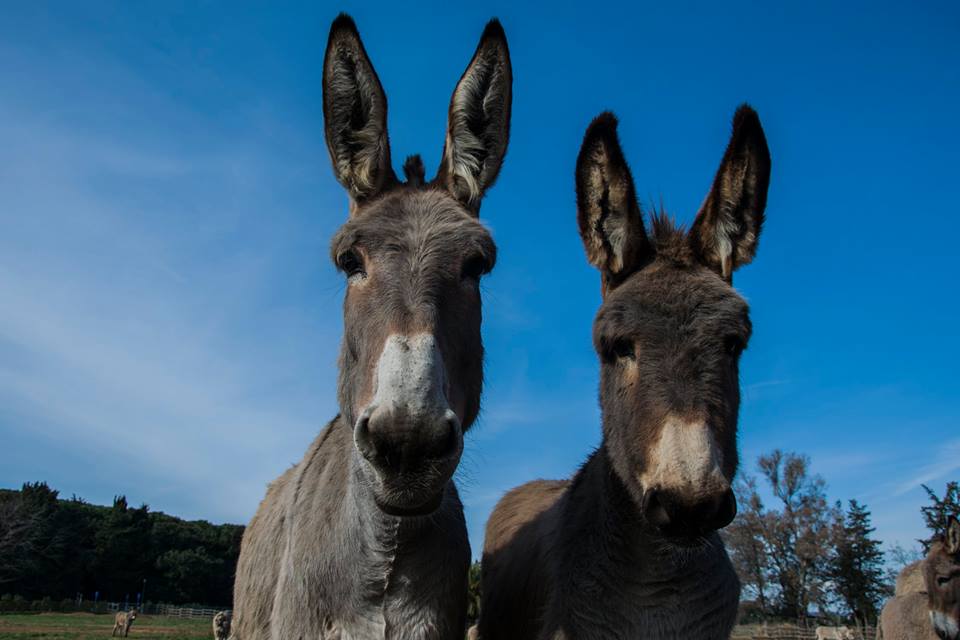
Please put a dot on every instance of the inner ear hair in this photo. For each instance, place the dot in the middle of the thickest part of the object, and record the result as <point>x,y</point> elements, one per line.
<point>355,114</point>
<point>608,214</point>
<point>953,536</point>
<point>478,126</point>
<point>726,231</point>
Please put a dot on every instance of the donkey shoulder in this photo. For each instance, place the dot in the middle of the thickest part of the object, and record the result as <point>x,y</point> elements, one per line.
<point>910,580</point>
<point>518,509</point>
<point>265,543</point>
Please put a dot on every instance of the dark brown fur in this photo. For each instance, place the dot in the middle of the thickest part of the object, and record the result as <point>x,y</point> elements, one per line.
<point>617,552</point>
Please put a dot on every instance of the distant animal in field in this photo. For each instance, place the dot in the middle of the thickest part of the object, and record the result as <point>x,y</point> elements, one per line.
<point>365,537</point>
<point>629,547</point>
<point>221,625</point>
<point>934,612</point>
<point>122,623</point>
<point>835,633</point>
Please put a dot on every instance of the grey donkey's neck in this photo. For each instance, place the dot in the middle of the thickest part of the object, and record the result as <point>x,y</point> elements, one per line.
<point>361,520</point>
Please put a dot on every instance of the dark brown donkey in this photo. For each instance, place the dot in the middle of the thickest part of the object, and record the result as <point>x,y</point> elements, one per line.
<point>628,548</point>
<point>365,537</point>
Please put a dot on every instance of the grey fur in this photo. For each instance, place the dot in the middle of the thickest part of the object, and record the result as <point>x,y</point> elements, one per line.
<point>122,623</point>
<point>365,536</point>
<point>930,609</point>
<point>221,625</point>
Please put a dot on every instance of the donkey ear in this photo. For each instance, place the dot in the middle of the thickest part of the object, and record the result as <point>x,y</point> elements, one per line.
<point>610,220</point>
<point>953,536</point>
<point>355,114</point>
<point>727,228</point>
<point>478,122</point>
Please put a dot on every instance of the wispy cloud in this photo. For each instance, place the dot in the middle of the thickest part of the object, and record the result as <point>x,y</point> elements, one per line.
<point>946,461</point>
<point>132,339</point>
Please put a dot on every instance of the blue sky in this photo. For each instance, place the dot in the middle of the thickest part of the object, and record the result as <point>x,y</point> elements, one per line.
<point>169,319</point>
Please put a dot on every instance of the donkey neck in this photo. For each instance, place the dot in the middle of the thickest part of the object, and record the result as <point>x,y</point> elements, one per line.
<point>364,520</point>
<point>622,537</point>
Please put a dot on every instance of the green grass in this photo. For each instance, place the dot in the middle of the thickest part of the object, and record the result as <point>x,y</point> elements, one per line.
<point>87,626</point>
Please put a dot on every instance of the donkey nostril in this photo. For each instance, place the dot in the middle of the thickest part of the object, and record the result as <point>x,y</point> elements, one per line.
<point>726,511</point>
<point>655,510</point>
<point>361,434</point>
<point>453,436</point>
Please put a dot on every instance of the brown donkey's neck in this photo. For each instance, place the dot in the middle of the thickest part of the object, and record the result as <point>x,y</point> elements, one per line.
<point>612,525</point>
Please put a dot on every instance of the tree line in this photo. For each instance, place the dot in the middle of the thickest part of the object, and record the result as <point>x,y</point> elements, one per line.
<point>56,548</point>
<point>799,556</point>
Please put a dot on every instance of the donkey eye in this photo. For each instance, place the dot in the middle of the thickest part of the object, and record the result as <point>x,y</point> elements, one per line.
<point>942,580</point>
<point>733,345</point>
<point>623,349</point>
<point>350,263</point>
<point>474,267</point>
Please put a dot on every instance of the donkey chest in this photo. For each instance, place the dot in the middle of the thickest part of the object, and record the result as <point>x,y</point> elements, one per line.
<point>703,607</point>
<point>387,618</point>
<point>369,597</point>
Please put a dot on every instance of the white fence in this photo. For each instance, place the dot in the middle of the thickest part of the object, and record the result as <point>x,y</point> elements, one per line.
<point>183,612</point>
<point>790,632</point>
<point>168,610</point>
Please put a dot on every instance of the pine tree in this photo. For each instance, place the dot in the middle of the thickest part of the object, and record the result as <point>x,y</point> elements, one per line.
<point>857,565</point>
<point>937,514</point>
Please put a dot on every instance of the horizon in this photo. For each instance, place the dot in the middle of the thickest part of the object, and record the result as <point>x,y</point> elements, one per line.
<point>169,318</point>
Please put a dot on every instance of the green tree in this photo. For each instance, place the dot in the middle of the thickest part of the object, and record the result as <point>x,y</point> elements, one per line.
<point>58,548</point>
<point>473,593</point>
<point>856,565</point>
<point>936,514</point>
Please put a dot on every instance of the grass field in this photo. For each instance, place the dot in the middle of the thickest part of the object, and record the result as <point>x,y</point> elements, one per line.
<point>87,626</point>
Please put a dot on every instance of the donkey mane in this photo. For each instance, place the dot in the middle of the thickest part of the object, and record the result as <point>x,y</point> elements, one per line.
<point>670,239</point>
<point>414,171</point>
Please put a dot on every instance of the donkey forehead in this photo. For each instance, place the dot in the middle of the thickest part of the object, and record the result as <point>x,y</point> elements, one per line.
<point>420,224</point>
<point>668,298</point>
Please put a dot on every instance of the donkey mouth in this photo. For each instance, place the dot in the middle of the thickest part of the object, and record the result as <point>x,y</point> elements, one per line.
<point>408,509</point>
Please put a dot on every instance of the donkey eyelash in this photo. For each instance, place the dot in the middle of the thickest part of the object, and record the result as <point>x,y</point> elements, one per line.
<point>474,267</point>
<point>351,264</point>
<point>620,349</point>
<point>734,345</point>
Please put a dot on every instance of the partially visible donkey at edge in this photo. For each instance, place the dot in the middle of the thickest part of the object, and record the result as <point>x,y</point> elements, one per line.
<point>221,625</point>
<point>628,548</point>
<point>122,623</point>
<point>365,537</point>
<point>930,609</point>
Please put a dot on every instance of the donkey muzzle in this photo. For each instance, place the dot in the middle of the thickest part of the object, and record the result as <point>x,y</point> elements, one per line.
<point>396,443</point>
<point>675,516</point>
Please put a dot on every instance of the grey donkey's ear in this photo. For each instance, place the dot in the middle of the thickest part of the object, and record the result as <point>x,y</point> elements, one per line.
<point>478,122</point>
<point>355,114</point>
<point>727,228</point>
<point>610,219</point>
<point>952,539</point>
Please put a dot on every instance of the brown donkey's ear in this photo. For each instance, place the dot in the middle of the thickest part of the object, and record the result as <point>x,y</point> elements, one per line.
<point>611,223</point>
<point>355,115</point>
<point>478,122</point>
<point>727,228</point>
<point>953,536</point>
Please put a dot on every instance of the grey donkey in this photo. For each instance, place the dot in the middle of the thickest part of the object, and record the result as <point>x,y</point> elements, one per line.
<point>122,623</point>
<point>365,537</point>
